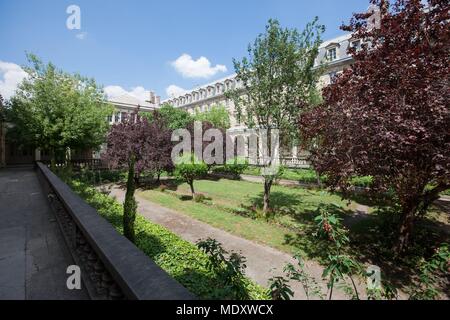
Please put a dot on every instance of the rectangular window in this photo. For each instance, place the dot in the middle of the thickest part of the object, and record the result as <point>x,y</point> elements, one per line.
<point>333,76</point>
<point>356,45</point>
<point>332,54</point>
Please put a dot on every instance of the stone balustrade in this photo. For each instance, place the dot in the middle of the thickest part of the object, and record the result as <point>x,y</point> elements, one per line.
<point>112,267</point>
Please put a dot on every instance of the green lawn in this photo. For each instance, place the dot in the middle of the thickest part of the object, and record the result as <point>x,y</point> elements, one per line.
<point>234,206</point>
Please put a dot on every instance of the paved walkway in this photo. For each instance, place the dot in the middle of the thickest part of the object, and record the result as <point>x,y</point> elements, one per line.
<point>33,255</point>
<point>260,259</point>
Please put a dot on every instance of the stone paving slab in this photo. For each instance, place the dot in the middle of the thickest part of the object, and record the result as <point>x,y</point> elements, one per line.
<point>33,254</point>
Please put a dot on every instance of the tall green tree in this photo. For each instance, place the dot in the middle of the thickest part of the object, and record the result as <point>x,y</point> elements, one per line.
<point>56,111</point>
<point>278,81</point>
<point>175,118</point>
<point>217,115</point>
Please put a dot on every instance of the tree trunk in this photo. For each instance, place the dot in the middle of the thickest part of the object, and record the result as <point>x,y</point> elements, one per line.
<point>191,184</point>
<point>129,206</point>
<point>158,178</point>
<point>405,228</point>
<point>267,186</point>
<point>319,183</point>
<point>52,159</point>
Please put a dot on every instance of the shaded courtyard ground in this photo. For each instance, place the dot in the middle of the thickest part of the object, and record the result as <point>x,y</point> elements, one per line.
<point>33,254</point>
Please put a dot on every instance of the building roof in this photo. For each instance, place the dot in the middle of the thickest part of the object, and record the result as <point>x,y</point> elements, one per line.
<point>338,40</point>
<point>129,101</point>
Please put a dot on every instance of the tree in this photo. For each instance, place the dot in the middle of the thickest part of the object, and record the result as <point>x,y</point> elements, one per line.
<point>217,115</point>
<point>189,168</point>
<point>54,110</point>
<point>128,147</point>
<point>388,115</point>
<point>160,148</point>
<point>277,78</point>
<point>175,118</point>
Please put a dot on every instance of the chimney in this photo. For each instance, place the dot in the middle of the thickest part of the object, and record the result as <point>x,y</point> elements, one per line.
<point>375,19</point>
<point>152,97</point>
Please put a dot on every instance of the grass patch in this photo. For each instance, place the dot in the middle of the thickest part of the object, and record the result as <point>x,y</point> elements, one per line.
<point>235,206</point>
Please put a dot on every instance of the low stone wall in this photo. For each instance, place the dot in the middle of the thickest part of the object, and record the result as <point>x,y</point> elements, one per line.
<point>111,266</point>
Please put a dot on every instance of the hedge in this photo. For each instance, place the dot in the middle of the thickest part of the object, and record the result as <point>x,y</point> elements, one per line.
<point>179,258</point>
<point>309,176</point>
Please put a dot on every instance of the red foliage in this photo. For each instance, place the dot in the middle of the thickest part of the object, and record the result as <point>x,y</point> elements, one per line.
<point>148,142</point>
<point>388,115</point>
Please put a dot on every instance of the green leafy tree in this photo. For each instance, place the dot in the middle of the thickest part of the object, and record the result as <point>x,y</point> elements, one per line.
<point>175,118</point>
<point>228,266</point>
<point>217,115</point>
<point>56,111</point>
<point>188,168</point>
<point>278,81</point>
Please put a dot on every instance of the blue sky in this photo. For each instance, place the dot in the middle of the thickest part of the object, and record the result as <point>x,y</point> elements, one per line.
<point>129,44</point>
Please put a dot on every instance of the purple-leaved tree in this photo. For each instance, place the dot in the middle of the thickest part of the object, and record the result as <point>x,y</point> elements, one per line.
<point>388,115</point>
<point>137,144</point>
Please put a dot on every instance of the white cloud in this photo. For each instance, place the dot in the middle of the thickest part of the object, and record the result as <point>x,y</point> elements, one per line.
<point>174,91</point>
<point>81,36</point>
<point>137,92</point>
<point>11,75</point>
<point>200,68</point>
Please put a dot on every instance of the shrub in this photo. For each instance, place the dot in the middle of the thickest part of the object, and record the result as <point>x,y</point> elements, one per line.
<point>188,169</point>
<point>199,197</point>
<point>236,166</point>
<point>179,258</point>
<point>228,266</point>
<point>162,187</point>
<point>280,289</point>
<point>429,270</point>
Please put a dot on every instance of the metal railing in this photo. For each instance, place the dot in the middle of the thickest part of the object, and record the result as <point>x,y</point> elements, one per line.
<point>289,162</point>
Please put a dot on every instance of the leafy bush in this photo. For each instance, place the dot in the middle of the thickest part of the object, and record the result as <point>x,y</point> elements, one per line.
<point>299,273</point>
<point>199,197</point>
<point>309,176</point>
<point>228,266</point>
<point>363,182</point>
<point>180,259</point>
<point>280,289</point>
<point>95,177</point>
<point>429,270</point>
<point>234,167</point>
<point>188,168</point>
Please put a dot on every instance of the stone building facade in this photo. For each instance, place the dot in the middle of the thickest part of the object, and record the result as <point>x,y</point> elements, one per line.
<point>333,57</point>
<point>11,154</point>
